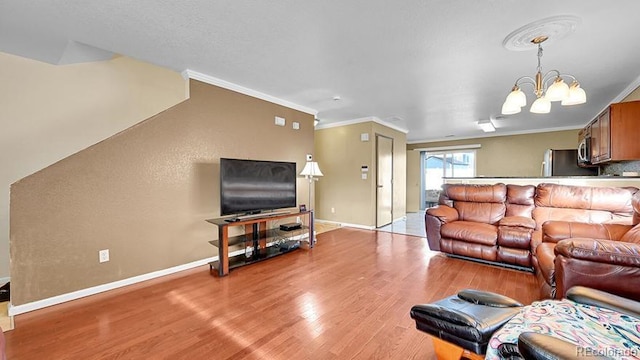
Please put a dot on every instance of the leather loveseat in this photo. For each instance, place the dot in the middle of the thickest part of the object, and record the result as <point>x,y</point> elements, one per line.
<point>504,224</point>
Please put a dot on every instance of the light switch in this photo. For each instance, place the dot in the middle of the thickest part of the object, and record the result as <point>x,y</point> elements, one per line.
<point>296,125</point>
<point>364,176</point>
<point>280,121</point>
<point>364,137</point>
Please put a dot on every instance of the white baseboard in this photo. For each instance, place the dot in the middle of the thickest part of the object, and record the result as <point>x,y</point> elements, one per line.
<point>59,299</point>
<point>357,226</point>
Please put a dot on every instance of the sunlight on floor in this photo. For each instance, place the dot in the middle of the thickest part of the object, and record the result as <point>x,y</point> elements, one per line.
<point>205,315</point>
<point>308,305</point>
<point>413,225</point>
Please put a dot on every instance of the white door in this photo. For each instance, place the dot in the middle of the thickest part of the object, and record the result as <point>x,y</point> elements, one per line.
<point>384,180</point>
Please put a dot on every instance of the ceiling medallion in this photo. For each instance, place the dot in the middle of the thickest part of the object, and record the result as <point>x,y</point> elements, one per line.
<point>554,28</point>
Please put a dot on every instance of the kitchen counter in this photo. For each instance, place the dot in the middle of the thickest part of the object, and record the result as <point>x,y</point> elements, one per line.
<point>563,180</point>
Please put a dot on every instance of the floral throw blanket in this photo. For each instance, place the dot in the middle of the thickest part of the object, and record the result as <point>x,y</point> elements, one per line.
<point>596,331</point>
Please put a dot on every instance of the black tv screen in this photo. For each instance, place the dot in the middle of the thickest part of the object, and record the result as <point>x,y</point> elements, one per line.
<point>250,186</point>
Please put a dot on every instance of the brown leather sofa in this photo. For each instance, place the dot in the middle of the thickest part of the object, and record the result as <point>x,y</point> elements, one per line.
<point>504,224</point>
<point>591,254</point>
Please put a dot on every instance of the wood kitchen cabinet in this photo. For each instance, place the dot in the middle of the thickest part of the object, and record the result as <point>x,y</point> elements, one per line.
<point>614,133</point>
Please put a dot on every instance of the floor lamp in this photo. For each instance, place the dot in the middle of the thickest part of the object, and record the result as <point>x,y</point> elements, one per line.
<point>311,171</point>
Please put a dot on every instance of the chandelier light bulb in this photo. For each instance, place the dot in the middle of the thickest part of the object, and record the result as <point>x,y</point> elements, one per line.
<point>542,105</point>
<point>558,91</point>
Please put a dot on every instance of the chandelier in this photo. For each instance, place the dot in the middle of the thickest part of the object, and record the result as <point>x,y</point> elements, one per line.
<point>547,88</point>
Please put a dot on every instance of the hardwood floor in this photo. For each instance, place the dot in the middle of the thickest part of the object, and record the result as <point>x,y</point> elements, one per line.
<point>348,298</point>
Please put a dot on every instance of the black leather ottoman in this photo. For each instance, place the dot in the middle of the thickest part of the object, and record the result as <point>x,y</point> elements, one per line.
<point>464,322</point>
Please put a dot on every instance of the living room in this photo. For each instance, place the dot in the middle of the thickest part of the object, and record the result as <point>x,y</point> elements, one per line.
<point>121,154</point>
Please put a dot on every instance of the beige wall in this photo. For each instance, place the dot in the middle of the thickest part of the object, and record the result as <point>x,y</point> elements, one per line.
<point>341,154</point>
<point>413,181</point>
<point>143,194</point>
<point>49,112</point>
<point>635,95</point>
<point>515,155</point>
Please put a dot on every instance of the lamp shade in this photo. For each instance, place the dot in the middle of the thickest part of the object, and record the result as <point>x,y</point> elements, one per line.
<point>558,91</point>
<point>510,109</point>
<point>577,95</point>
<point>541,106</point>
<point>516,97</point>
<point>311,168</point>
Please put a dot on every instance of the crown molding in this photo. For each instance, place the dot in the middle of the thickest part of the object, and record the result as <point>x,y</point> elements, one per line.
<point>628,90</point>
<point>190,74</point>
<point>374,119</point>
<point>496,134</point>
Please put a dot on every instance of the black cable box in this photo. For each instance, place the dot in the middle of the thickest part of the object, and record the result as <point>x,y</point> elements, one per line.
<point>290,226</point>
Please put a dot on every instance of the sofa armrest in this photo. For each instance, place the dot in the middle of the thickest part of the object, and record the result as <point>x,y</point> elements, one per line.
<point>554,231</point>
<point>611,266</point>
<point>601,299</point>
<point>444,213</point>
<point>519,221</point>
<point>602,251</point>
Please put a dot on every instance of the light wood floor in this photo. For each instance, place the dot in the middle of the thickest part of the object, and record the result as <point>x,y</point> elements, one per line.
<point>348,298</point>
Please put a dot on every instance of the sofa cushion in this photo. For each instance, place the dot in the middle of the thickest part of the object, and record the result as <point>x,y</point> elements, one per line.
<point>610,199</point>
<point>554,231</point>
<point>470,231</point>
<point>521,221</point>
<point>475,193</point>
<point>543,214</point>
<point>488,213</point>
<point>520,200</point>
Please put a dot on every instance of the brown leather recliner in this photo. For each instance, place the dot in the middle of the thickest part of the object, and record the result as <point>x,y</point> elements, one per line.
<point>466,221</point>
<point>604,256</point>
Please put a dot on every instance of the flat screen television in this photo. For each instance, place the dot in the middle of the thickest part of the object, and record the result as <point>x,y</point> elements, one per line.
<point>253,186</point>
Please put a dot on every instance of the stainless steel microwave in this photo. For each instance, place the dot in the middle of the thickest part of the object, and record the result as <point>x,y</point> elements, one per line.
<point>584,151</point>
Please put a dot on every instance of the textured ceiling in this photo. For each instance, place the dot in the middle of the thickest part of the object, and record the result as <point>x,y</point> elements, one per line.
<point>433,68</point>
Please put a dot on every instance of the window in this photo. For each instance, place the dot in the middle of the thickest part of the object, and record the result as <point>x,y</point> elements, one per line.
<point>437,165</point>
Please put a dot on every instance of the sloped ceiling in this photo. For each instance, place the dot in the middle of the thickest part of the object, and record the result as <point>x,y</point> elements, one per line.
<point>433,68</point>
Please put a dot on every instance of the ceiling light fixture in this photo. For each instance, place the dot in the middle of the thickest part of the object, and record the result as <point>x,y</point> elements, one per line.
<point>486,125</point>
<point>558,90</point>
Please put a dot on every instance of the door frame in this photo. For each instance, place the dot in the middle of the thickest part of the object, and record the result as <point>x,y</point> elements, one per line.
<point>378,136</point>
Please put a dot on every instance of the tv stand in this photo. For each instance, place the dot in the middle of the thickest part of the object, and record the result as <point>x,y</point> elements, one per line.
<point>262,239</point>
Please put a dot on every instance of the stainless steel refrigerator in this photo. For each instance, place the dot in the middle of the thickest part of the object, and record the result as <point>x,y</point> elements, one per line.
<point>564,163</point>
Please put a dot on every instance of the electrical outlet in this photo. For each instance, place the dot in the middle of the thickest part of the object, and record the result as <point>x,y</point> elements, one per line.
<point>333,210</point>
<point>298,219</point>
<point>103,255</point>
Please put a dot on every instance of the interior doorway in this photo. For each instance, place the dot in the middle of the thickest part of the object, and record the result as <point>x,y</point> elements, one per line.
<point>384,180</point>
